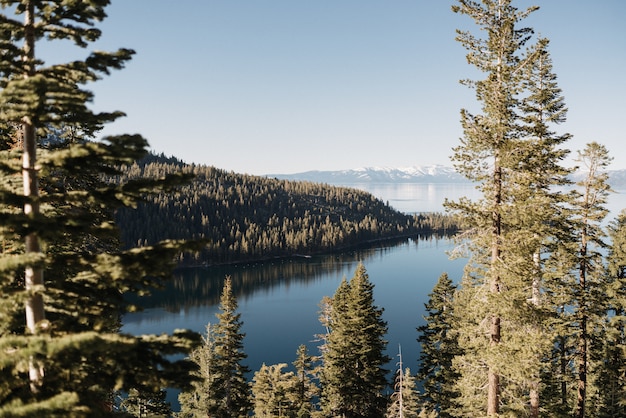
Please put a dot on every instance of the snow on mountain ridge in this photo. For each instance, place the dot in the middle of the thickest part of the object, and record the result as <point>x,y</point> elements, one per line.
<point>413,174</point>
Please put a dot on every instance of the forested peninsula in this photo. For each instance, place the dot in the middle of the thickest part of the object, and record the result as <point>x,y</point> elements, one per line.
<point>242,217</point>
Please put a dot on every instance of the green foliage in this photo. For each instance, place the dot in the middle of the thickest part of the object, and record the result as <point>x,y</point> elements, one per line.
<point>405,402</point>
<point>60,254</point>
<point>197,400</point>
<point>222,390</point>
<point>274,392</point>
<point>246,217</point>
<point>583,287</point>
<point>285,394</point>
<point>352,375</point>
<point>305,389</point>
<point>504,305</point>
<point>439,346</point>
<point>146,404</point>
<point>489,334</point>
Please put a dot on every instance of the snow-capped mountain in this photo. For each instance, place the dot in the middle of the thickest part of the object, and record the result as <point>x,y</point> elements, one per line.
<point>416,174</point>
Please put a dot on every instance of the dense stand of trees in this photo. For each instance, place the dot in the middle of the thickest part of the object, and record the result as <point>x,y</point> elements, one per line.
<point>347,379</point>
<point>532,306</point>
<point>245,217</point>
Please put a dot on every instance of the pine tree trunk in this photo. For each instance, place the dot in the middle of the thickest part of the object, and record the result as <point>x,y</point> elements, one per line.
<point>563,369</point>
<point>493,392</point>
<point>33,276</point>
<point>582,341</point>
<point>534,400</point>
<point>535,300</point>
<point>582,370</point>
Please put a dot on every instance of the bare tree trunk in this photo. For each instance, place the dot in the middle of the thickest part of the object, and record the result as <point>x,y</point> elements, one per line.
<point>582,339</point>
<point>493,392</point>
<point>535,300</point>
<point>33,276</point>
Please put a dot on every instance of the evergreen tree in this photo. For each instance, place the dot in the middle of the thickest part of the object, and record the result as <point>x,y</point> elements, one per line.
<point>352,375</point>
<point>274,392</point>
<point>67,358</point>
<point>611,376</point>
<point>305,389</point>
<point>585,286</point>
<point>197,400</point>
<point>404,399</point>
<point>487,155</point>
<point>513,153</point>
<point>147,404</point>
<point>285,394</point>
<point>535,189</point>
<point>223,391</point>
<point>439,346</point>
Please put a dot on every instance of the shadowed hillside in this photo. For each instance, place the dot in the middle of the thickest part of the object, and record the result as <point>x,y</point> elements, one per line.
<point>246,217</point>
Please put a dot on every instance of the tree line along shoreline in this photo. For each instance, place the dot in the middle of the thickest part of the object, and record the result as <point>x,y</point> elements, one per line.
<point>240,218</point>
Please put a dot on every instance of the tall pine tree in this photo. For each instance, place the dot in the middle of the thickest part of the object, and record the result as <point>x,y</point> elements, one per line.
<point>584,287</point>
<point>223,390</point>
<point>537,219</point>
<point>60,258</point>
<point>514,155</point>
<point>439,346</point>
<point>353,375</point>
<point>487,155</point>
<point>611,376</point>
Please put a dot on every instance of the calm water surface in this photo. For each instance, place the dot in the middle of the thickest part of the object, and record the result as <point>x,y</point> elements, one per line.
<point>417,197</point>
<point>279,301</point>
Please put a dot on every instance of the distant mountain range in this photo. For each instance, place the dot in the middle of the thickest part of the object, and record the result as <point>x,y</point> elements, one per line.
<point>416,174</point>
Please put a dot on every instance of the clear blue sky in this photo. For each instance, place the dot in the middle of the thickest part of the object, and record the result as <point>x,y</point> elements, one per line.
<point>283,86</point>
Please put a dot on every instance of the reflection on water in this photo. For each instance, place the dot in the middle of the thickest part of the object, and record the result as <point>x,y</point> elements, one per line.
<point>417,197</point>
<point>200,286</point>
<point>429,197</point>
<point>279,300</point>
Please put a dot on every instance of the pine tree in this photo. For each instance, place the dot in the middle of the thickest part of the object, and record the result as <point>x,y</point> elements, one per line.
<point>60,255</point>
<point>611,376</point>
<point>352,376</point>
<point>223,390</point>
<point>305,389</point>
<point>487,156</point>
<point>439,346</point>
<point>404,399</point>
<point>588,299</point>
<point>147,404</point>
<point>538,221</point>
<point>274,392</point>
<point>196,401</point>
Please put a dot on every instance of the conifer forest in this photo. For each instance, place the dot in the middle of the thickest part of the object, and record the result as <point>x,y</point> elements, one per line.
<point>535,327</point>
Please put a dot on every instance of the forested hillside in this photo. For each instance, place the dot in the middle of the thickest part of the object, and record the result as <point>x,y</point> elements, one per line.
<point>251,217</point>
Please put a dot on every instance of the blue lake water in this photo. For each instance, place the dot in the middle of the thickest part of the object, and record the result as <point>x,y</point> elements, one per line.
<point>279,301</point>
